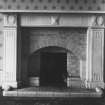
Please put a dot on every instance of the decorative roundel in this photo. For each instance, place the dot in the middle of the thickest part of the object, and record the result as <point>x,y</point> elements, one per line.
<point>99,20</point>
<point>11,19</point>
<point>93,21</point>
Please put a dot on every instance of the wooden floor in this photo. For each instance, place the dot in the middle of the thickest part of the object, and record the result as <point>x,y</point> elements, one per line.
<point>52,92</point>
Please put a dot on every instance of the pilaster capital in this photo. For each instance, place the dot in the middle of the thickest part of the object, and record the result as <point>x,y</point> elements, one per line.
<point>10,20</point>
<point>97,21</point>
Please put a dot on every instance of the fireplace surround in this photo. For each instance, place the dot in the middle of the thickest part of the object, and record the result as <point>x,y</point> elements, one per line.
<point>80,36</point>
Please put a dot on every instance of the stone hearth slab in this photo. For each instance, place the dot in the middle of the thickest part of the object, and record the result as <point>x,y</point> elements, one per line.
<point>52,92</point>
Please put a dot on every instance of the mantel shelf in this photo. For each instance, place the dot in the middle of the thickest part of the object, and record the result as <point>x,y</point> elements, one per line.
<point>52,11</point>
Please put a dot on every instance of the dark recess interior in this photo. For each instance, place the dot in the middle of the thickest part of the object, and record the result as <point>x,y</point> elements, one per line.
<point>53,71</point>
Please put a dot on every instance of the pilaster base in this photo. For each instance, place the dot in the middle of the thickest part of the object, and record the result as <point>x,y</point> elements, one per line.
<point>75,83</point>
<point>93,85</point>
<point>9,85</point>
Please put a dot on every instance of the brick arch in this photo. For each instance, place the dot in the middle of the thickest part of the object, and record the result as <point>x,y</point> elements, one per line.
<point>73,67</point>
<point>73,40</point>
<point>52,49</point>
<point>72,48</point>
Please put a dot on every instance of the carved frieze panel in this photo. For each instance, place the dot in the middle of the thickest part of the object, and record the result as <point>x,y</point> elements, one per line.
<point>62,20</point>
<point>10,20</point>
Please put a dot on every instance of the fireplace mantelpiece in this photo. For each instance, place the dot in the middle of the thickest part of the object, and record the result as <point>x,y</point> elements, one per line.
<point>94,44</point>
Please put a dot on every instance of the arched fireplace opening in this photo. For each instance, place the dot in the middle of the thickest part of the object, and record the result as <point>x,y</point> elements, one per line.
<point>48,67</point>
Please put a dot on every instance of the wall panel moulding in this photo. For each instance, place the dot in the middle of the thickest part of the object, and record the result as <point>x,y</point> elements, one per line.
<point>89,6</point>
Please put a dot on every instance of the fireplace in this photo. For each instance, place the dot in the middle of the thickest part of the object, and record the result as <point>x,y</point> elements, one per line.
<point>50,56</point>
<point>53,50</point>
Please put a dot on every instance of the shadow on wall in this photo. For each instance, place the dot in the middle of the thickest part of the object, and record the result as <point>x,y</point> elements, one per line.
<point>34,59</point>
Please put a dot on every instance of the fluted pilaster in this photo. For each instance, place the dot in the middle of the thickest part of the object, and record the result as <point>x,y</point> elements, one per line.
<point>10,51</point>
<point>95,54</point>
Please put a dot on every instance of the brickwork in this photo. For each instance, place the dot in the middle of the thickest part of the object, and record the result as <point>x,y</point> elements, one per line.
<point>71,39</point>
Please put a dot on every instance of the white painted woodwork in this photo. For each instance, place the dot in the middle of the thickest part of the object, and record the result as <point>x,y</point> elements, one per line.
<point>97,55</point>
<point>88,55</point>
<point>95,49</point>
<point>9,64</point>
<point>65,20</point>
<point>10,53</point>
